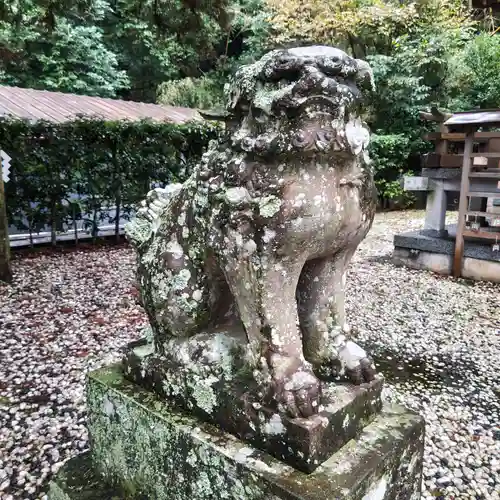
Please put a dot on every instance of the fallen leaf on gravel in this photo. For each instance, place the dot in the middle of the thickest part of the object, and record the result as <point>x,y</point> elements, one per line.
<point>436,339</point>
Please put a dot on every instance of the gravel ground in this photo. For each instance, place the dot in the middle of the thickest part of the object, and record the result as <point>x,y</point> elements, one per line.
<point>436,339</point>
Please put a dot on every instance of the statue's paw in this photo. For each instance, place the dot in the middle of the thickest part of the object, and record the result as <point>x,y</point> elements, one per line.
<point>298,394</point>
<point>364,372</point>
<point>358,365</point>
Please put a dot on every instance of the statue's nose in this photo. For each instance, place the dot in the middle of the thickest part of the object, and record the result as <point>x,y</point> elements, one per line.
<point>312,79</point>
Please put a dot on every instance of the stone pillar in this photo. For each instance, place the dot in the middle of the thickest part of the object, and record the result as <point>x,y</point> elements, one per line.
<point>435,211</point>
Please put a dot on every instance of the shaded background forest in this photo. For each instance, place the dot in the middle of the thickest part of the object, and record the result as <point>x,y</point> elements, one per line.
<point>180,52</point>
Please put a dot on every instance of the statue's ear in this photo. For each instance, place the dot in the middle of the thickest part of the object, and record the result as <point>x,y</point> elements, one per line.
<point>364,76</point>
<point>216,115</point>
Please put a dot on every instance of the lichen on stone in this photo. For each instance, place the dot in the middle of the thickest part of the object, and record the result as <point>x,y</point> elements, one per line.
<point>269,206</point>
<point>284,189</point>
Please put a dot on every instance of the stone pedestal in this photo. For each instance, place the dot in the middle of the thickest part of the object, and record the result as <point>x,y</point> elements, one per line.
<point>432,252</point>
<point>207,376</point>
<point>144,448</point>
<point>433,247</point>
<point>435,213</point>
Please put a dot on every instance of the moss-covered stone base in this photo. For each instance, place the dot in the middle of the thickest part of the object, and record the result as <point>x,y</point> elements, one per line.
<point>142,448</point>
<point>78,480</point>
<point>205,375</point>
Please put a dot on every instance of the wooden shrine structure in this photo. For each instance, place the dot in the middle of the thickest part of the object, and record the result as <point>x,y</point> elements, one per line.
<point>466,160</point>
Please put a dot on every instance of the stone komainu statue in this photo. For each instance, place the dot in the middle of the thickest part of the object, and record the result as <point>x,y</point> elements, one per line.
<point>262,232</point>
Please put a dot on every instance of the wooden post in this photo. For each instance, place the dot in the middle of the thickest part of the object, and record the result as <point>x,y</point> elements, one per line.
<point>442,145</point>
<point>462,210</point>
<point>5,270</point>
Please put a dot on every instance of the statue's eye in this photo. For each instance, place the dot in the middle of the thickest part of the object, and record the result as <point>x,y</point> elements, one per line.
<point>283,61</point>
<point>244,106</point>
<point>259,115</point>
<point>331,66</point>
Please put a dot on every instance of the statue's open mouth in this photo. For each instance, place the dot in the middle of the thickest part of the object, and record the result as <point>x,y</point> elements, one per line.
<point>319,104</point>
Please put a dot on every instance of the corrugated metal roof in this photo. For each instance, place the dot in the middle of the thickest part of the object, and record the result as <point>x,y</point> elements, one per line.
<point>59,107</point>
<point>484,117</point>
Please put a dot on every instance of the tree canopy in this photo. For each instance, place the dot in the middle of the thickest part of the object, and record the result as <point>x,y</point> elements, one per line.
<point>107,47</point>
<point>362,26</point>
<point>423,53</point>
<point>58,46</point>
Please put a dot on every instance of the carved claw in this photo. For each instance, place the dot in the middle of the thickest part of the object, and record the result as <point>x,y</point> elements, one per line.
<point>363,373</point>
<point>299,394</point>
<point>358,365</point>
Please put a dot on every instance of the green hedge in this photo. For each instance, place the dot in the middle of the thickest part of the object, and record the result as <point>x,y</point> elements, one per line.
<point>104,163</point>
<point>393,156</point>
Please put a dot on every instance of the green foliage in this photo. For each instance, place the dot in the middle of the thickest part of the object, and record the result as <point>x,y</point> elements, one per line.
<point>249,33</point>
<point>108,48</point>
<point>104,163</point>
<point>251,25</point>
<point>127,48</point>
<point>473,80</point>
<point>363,27</point>
<point>201,93</point>
<point>410,79</point>
<point>389,154</point>
<point>157,41</point>
<point>190,44</point>
<point>46,48</point>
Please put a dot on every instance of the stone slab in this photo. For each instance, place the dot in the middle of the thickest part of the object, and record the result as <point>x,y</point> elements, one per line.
<point>449,179</point>
<point>231,402</point>
<point>442,173</point>
<point>480,270</point>
<point>146,449</point>
<point>423,241</point>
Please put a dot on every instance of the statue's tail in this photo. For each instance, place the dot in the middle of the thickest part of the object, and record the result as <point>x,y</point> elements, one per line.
<point>148,217</point>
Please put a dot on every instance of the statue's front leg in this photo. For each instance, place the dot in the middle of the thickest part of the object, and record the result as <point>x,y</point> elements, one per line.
<point>264,291</point>
<point>295,386</point>
<point>321,304</point>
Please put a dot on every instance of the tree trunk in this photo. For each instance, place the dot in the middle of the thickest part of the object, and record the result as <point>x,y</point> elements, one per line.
<point>75,225</point>
<point>118,203</point>
<point>5,270</point>
<point>351,44</point>
<point>117,172</point>
<point>53,223</point>
<point>94,223</point>
<point>30,223</point>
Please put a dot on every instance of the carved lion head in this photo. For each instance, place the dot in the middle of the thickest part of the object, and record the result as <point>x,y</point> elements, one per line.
<point>303,99</point>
